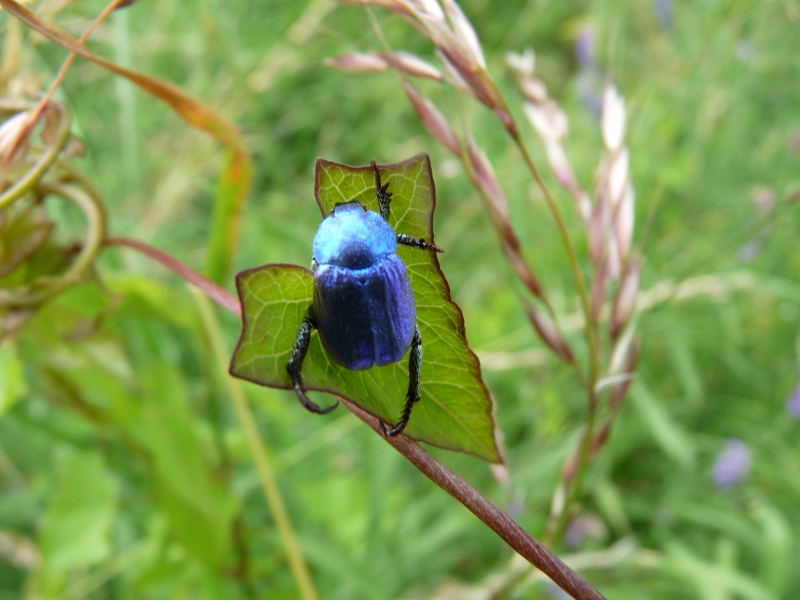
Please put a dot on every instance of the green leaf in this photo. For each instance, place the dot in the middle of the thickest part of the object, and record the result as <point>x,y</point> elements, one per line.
<point>199,510</point>
<point>77,525</point>
<point>232,192</point>
<point>674,441</point>
<point>776,556</point>
<point>12,379</point>
<point>456,411</point>
<point>23,234</point>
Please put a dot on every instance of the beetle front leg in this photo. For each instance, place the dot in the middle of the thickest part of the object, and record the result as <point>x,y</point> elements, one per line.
<point>384,196</point>
<point>295,364</point>
<point>415,242</point>
<point>414,388</point>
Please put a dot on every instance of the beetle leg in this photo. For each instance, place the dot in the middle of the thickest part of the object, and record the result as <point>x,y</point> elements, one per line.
<point>415,242</point>
<point>413,395</point>
<point>295,364</point>
<point>384,197</point>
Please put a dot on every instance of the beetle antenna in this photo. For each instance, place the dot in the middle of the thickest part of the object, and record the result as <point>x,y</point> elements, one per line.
<point>384,197</point>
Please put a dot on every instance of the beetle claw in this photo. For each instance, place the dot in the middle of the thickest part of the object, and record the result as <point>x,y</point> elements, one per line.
<point>396,430</point>
<point>311,406</point>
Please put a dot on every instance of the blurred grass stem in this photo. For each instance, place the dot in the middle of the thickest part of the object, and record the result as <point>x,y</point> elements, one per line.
<point>543,296</point>
<point>257,449</point>
<point>573,260</point>
<point>126,98</point>
<point>62,72</point>
<point>574,482</point>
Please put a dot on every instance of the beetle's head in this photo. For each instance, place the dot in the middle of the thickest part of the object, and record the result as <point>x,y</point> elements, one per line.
<point>342,208</point>
<point>353,237</point>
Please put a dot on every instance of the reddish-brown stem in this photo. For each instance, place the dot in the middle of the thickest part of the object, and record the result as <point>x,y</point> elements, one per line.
<point>503,525</point>
<point>217,293</point>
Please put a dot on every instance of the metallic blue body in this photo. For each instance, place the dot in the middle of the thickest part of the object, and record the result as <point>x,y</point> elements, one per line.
<point>364,306</point>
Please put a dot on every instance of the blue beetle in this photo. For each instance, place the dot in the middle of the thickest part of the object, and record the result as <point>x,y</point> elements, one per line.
<point>363,305</point>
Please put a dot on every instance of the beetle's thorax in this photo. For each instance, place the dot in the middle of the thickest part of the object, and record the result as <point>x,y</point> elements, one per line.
<point>353,237</point>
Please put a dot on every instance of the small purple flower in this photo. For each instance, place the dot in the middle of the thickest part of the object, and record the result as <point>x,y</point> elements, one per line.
<point>585,526</point>
<point>793,403</point>
<point>584,47</point>
<point>663,9</point>
<point>573,536</point>
<point>733,464</point>
<point>590,91</point>
<point>750,251</point>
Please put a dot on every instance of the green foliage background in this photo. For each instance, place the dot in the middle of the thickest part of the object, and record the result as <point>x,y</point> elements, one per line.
<point>122,461</point>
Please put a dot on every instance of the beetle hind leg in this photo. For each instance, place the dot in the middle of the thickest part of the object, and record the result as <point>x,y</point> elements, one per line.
<point>414,388</point>
<point>295,365</point>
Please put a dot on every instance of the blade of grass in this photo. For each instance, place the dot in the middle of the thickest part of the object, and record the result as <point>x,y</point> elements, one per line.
<point>232,191</point>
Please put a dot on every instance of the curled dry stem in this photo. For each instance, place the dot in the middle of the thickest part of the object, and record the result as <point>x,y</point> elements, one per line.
<point>31,177</point>
<point>44,288</point>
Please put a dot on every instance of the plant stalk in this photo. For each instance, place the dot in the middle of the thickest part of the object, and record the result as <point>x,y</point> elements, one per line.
<point>591,341</point>
<point>573,261</point>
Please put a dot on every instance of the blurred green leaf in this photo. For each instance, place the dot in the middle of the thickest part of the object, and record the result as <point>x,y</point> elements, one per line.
<point>22,235</point>
<point>776,554</point>
<point>673,440</point>
<point>342,503</point>
<point>12,379</point>
<point>713,581</point>
<point>170,304</point>
<point>199,509</point>
<point>232,191</point>
<point>685,363</point>
<point>734,525</point>
<point>456,410</point>
<point>77,524</point>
